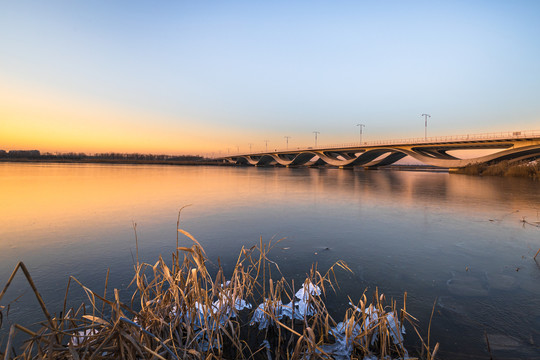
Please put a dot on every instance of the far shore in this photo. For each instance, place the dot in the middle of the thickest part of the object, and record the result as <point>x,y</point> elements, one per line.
<point>202,162</point>
<point>505,168</point>
<point>119,161</point>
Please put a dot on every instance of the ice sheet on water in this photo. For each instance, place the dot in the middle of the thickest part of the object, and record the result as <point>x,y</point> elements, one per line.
<point>266,344</point>
<point>307,289</point>
<point>222,305</point>
<point>395,330</point>
<point>263,311</point>
<point>204,315</point>
<point>241,304</point>
<point>392,323</point>
<point>343,346</point>
<point>295,309</point>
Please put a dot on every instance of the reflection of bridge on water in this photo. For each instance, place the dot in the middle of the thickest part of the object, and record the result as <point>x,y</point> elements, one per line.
<point>513,146</point>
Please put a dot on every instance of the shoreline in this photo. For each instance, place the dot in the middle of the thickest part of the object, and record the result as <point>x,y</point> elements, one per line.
<point>118,161</point>
<point>503,169</point>
<point>204,163</point>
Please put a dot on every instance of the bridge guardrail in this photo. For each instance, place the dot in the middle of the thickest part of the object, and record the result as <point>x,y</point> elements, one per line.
<point>434,139</point>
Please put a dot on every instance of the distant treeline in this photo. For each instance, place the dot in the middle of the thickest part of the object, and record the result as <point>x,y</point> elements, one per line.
<point>14,154</point>
<point>37,155</point>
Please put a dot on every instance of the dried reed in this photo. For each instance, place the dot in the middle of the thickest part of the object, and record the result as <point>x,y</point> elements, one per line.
<point>180,311</point>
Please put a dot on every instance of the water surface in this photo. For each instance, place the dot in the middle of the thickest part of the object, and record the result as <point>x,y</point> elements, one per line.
<point>453,240</point>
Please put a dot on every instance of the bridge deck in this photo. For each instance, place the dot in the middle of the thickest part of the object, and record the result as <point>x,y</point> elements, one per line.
<point>520,145</point>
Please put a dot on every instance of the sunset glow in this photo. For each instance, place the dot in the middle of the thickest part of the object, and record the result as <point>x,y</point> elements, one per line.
<point>212,78</point>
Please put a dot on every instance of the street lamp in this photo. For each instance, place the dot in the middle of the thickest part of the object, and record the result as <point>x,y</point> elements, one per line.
<point>425,131</point>
<point>287,139</point>
<point>361,126</point>
<point>250,148</point>
<point>316,133</point>
<point>266,142</point>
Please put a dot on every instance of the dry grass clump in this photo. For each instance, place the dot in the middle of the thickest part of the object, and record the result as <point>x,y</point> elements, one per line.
<point>503,168</point>
<point>473,169</point>
<point>179,311</point>
<point>523,170</point>
<point>497,169</point>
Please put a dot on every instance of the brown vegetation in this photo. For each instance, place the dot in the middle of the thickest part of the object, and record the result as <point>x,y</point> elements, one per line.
<point>503,168</point>
<point>182,312</point>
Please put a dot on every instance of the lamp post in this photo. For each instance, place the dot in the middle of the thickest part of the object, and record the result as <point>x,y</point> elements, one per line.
<point>361,126</point>
<point>316,133</point>
<point>287,140</point>
<point>425,127</point>
<point>250,147</point>
<point>266,142</point>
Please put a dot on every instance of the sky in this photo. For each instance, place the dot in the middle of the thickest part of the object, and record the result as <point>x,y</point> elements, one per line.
<point>212,77</point>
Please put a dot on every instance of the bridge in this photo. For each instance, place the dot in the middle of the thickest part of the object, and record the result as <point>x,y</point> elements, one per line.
<point>434,151</point>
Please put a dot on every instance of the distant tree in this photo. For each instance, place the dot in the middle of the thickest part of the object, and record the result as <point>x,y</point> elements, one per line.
<point>24,154</point>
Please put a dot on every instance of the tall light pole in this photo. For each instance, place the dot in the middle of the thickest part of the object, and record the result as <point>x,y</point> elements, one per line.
<point>250,147</point>
<point>425,131</point>
<point>287,139</point>
<point>316,133</point>
<point>266,142</point>
<point>361,126</point>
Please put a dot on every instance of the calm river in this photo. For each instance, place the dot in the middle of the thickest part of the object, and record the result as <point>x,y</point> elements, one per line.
<point>453,240</point>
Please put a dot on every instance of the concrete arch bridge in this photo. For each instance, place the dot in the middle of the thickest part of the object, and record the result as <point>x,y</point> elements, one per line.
<point>513,146</point>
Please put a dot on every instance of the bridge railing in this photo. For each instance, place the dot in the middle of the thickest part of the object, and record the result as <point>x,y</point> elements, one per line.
<point>407,141</point>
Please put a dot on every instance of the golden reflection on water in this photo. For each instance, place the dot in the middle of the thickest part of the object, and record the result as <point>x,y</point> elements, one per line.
<point>74,194</point>
<point>40,196</point>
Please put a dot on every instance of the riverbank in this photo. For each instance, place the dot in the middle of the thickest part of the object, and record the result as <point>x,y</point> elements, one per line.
<point>120,161</point>
<point>504,168</point>
<point>202,162</point>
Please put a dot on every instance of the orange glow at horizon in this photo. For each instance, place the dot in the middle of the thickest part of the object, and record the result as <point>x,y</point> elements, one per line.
<point>34,119</point>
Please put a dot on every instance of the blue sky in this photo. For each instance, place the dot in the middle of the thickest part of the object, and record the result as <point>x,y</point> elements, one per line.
<point>184,77</point>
